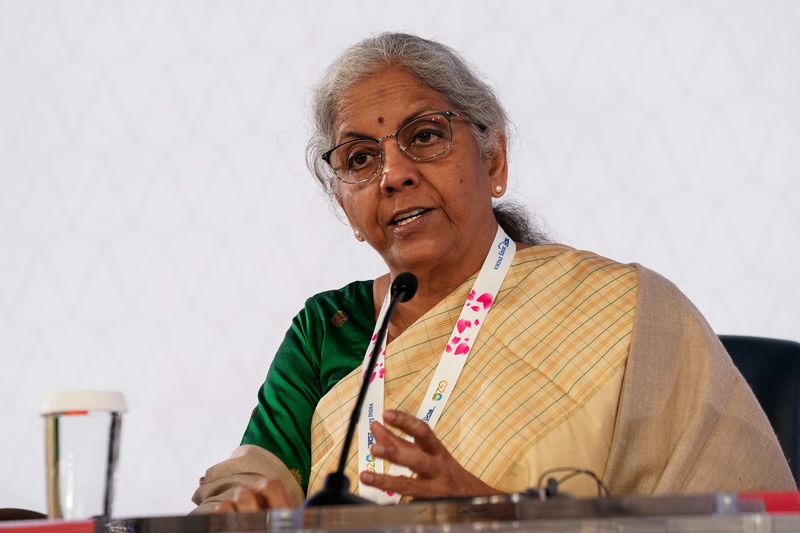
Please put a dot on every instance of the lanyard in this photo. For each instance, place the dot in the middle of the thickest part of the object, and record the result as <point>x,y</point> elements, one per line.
<point>454,356</point>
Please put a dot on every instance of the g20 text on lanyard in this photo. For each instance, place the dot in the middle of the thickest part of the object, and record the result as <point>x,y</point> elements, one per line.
<point>454,356</point>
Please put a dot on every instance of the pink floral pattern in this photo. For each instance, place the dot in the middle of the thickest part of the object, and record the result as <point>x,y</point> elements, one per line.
<point>485,300</point>
<point>379,370</point>
<point>459,344</point>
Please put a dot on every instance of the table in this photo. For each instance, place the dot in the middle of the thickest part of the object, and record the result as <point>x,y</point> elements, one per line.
<point>724,512</point>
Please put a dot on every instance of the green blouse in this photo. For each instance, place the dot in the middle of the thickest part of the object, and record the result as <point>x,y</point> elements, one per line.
<point>326,341</point>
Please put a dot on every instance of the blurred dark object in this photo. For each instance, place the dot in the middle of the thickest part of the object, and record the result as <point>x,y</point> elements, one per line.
<point>10,513</point>
<point>772,369</point>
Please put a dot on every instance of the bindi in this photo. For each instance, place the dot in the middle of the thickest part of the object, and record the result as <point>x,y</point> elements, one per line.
<point>380,120</point>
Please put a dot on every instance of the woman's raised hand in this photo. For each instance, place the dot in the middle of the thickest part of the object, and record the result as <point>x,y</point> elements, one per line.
<point>438,474</point>
<point>260,496</point>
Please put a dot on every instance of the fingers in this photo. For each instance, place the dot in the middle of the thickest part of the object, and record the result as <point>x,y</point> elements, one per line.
<point>401,452</point>
<point>275,494</point>
<point>248,500</point>
<point>397,484</point>
<point>424,456</point>
<point>225,507</point>
<point>437,473</point>
<point>461,484</point>
<point>263,495</point>
<point>416,487</point>
<point>413,426</point>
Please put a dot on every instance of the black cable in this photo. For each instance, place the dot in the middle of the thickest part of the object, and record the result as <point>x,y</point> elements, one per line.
<point>572,472</point>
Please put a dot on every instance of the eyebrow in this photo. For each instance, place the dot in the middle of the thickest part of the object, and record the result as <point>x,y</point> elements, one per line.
<point>354,135</point>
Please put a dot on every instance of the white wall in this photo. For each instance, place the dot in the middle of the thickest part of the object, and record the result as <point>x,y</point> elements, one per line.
<point>158,228</point>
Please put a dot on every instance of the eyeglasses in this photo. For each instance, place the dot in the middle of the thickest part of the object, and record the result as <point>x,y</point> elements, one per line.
<point>425,138</point>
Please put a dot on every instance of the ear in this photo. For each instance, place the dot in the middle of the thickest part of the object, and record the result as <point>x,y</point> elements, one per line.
<point>497,165</point>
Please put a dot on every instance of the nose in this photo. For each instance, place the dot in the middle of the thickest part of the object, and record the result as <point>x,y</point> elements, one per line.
<point>398,170</point>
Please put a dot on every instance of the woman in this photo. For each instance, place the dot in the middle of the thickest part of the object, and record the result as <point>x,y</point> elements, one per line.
<point>513,358</point>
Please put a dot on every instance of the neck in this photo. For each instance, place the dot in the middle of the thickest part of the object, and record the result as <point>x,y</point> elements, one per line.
<point>435,284</point>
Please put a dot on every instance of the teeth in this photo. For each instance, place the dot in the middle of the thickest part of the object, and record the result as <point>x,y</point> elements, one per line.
<point>405,218</point>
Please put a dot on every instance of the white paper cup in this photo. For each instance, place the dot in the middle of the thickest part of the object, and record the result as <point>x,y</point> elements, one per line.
<point>82,430</point>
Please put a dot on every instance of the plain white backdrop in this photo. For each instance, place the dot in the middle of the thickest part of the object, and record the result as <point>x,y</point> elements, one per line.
<point>158,228</point>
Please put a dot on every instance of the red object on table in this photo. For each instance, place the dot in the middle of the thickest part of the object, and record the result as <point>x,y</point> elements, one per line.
<point>775,502</point>
<point>48,526</point>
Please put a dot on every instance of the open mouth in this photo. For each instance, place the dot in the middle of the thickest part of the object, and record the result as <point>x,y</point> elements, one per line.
<point>409,216</point>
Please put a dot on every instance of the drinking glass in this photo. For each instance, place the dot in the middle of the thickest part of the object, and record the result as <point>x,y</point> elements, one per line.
<point>82,434</point>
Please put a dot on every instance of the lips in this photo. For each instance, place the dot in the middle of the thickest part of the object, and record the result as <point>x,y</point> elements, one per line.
<point>405,217</point>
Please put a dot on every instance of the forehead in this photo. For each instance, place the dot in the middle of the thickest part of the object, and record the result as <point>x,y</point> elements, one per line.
<point>383,101</point>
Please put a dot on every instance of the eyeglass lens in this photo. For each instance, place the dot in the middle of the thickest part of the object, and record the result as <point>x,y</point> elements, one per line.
<point>422,139</point>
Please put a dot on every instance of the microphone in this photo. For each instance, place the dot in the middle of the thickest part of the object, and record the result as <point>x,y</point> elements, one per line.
<point>404,287</point>
<point>336,489</point>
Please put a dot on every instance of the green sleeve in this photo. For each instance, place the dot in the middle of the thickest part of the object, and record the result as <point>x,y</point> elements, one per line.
<point>318,350</point>
<point>281,422</point>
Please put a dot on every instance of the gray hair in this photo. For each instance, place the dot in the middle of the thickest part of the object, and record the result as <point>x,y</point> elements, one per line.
<point>434,64</point>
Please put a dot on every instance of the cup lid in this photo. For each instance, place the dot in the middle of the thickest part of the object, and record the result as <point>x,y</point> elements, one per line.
<point>83,401</point>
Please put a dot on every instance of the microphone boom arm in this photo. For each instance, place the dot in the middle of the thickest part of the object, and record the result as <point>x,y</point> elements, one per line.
<point>336,487</point>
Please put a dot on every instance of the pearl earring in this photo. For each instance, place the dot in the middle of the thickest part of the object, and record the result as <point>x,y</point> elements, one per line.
<point>498,189</point>
<point>359,237</point>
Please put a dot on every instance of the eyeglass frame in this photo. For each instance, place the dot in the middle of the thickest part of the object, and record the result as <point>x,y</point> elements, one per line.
<point>449,115</point>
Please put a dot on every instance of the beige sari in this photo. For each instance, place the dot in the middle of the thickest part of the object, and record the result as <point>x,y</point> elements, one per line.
<point>582,362</point>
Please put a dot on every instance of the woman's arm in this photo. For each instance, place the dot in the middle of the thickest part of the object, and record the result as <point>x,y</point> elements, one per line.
<point>243,477</point>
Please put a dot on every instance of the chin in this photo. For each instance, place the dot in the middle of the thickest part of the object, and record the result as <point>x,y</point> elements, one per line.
<point>415,258</point>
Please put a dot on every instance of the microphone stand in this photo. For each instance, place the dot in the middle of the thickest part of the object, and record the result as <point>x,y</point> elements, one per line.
<point>336,488</point>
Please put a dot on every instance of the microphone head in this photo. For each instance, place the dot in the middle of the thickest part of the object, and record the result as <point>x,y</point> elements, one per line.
<point>404,286</point>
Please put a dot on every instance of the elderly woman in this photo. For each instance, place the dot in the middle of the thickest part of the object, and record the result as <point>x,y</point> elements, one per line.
<point>514,358</point>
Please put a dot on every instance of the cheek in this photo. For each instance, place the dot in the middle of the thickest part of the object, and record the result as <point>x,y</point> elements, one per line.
<point>354,205</point>
<point>345,203</point>
<point>347,196</point>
